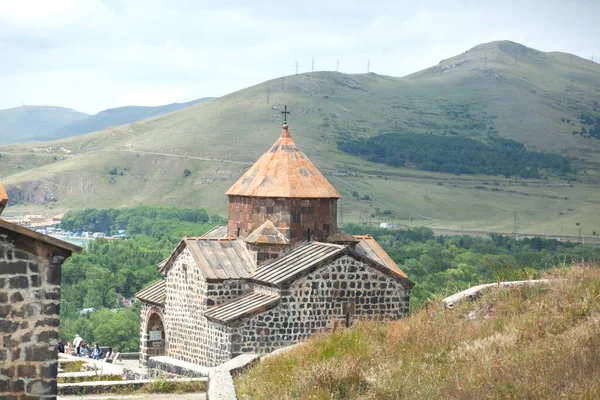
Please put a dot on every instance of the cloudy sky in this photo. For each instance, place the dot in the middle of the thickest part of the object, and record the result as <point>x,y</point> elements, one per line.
<point>96,54</point>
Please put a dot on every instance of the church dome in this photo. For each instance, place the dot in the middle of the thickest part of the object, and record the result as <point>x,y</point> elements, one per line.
<point>283,171</point>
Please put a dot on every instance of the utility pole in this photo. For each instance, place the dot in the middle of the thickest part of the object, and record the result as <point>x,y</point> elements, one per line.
<point>296,66</point>
<point>312,69</point>
<point>580,229</point>
<point>337,67</point>
<point>368,65</point>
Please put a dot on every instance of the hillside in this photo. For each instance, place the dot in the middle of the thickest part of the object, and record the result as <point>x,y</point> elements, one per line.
<point>44,123</point>
<point>116,116</point>
<point>30,122</point>
<point>536,342</point>
<point>500,88</point>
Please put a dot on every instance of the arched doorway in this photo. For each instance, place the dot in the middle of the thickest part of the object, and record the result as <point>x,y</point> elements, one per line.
<point>155,329</point>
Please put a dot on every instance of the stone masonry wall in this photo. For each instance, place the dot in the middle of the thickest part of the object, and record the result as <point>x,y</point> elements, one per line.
<point>218,293</point>
<point>293,217</point>
<point>29,317</point>
<point>319,301</point>
<point>190,336</point>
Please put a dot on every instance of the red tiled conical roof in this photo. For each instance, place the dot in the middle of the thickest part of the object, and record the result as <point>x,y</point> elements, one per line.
<point>3,198</point>
<point>283,171</point>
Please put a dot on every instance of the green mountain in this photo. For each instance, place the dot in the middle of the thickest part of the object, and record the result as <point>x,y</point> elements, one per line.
<point>45,123</point>
<point>27,122</point>
<point>498,89</point>
<point>117,116</point>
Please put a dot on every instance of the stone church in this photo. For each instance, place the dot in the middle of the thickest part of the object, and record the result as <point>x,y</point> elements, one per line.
<point>279,272</point>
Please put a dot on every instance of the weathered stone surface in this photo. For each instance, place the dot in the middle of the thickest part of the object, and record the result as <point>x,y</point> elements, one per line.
<point>295,218</point>
<point>476,291</point>
<point>27,331</point>
<point>178,367</point>
<point>220,386</point>
<point>350,290</point>
<point>14,268</point>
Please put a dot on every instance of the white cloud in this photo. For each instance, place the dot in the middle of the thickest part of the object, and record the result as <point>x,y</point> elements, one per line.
<point>91,55</point>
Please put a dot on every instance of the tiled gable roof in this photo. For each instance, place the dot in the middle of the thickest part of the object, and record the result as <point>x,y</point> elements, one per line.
<point>244,306</point>
<point>311,255</point>
<point>368,246</point>
<point>267,233</point>
<point>302,258</point>
<point>218,259</point>
<point>155,293</point>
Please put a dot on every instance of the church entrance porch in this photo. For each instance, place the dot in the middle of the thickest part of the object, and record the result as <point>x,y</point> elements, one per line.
<point>156,336</point>
<point>153,338</point>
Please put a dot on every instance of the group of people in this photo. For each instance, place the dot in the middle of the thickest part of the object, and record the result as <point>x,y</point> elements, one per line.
<point>79,348</point>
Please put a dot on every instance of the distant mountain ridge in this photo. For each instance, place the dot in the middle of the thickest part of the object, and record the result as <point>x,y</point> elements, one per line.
<point>118,116</point>
<point>189,158</point>
<point>26,122</point>
<point>45,123</point>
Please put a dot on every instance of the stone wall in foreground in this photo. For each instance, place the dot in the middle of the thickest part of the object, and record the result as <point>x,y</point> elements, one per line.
<point>29,317</point>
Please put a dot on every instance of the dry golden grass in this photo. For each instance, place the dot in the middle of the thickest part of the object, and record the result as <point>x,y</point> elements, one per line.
<point>530,342</point>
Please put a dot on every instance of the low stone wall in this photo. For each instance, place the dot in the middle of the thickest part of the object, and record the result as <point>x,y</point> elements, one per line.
<point>477,291</point>
<point>178,367</point>
<point>82,388</point>
<point>220,379</point>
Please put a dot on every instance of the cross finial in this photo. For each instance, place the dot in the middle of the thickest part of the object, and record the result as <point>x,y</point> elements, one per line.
<point>285,112</point>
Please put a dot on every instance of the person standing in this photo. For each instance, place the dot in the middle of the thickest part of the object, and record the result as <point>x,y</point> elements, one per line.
<point>77,343</point>
<point>68,348</point>
<point>61,346</point>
